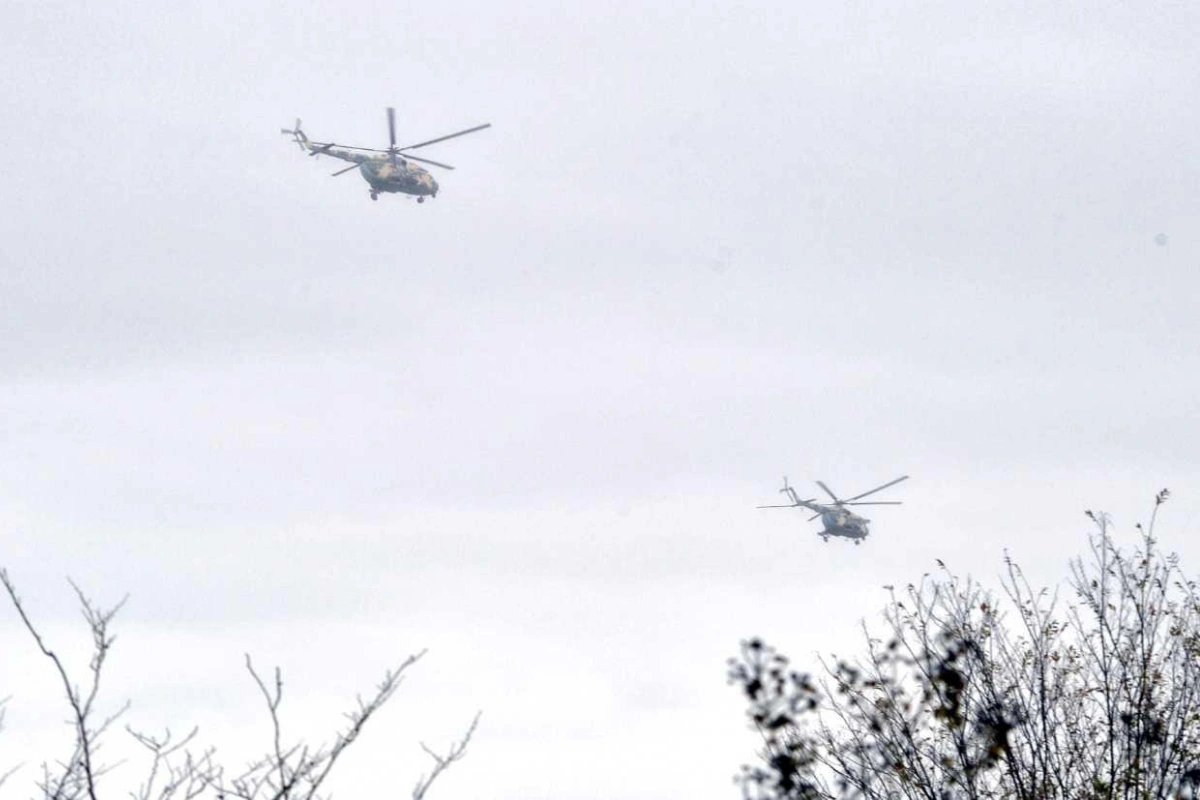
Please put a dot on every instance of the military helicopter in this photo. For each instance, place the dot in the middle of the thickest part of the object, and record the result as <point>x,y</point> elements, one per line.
<point>834,516</point>
<point>390,172</point>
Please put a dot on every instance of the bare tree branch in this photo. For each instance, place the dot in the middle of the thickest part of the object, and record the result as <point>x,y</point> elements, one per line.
<point>286,772</point>
<point>297,772</point>
<point>4,776</point>
<point>78,774</point>
<point>455,752</point>
<point>186,780</point>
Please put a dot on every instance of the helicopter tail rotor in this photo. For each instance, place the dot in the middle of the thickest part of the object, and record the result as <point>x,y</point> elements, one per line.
<point>789,491</point>
<point>297,134</point>
<point>791,495</point>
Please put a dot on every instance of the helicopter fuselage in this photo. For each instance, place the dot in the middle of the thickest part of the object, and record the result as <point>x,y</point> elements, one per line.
<point>401,177</point>
<point>397,176</point>
<point>840,522</point>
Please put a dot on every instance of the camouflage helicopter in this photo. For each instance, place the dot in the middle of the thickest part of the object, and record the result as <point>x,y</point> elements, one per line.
<point>390,172</point>
<point>834,516</point>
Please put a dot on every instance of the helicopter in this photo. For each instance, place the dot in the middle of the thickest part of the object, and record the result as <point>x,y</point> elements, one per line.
<point>390,172</point>
<point>839,521</point>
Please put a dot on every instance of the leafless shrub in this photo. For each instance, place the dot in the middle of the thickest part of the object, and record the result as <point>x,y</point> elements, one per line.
<point>974,694</point>
<point>288,771</point>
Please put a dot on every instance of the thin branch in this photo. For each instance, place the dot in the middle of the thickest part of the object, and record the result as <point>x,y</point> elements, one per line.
<point>4,776</point>
<point>273,701</point>
<point>297,772</point>
<point>82,759</point>
<point>188,779</point>
<point>441,763</point>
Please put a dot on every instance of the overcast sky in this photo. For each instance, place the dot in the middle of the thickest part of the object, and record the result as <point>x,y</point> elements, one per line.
<point>526,424</point>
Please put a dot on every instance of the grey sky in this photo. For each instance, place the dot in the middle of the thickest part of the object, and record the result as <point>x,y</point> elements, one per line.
<point>525,425</point>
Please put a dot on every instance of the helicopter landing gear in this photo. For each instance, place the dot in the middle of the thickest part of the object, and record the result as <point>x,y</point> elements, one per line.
<point>857,542</point>
<point>374,195</point>
<point>420,199</point>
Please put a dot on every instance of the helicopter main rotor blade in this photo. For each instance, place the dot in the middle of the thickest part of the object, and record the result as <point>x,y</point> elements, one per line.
<point>814,516</point>
<point>829,492</point>
<point>789,505</point>
<point>876,503</point>
<point>351,147</point>
<point>879,488</point>
<point>447,136</point>
<point>425,161</point>
<point>405,156</point>
<point>344,171</point>
<point>392,127</point>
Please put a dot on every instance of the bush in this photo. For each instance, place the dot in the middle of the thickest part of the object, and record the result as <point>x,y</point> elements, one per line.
<point>288,771</point>
<point>977,694</point>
